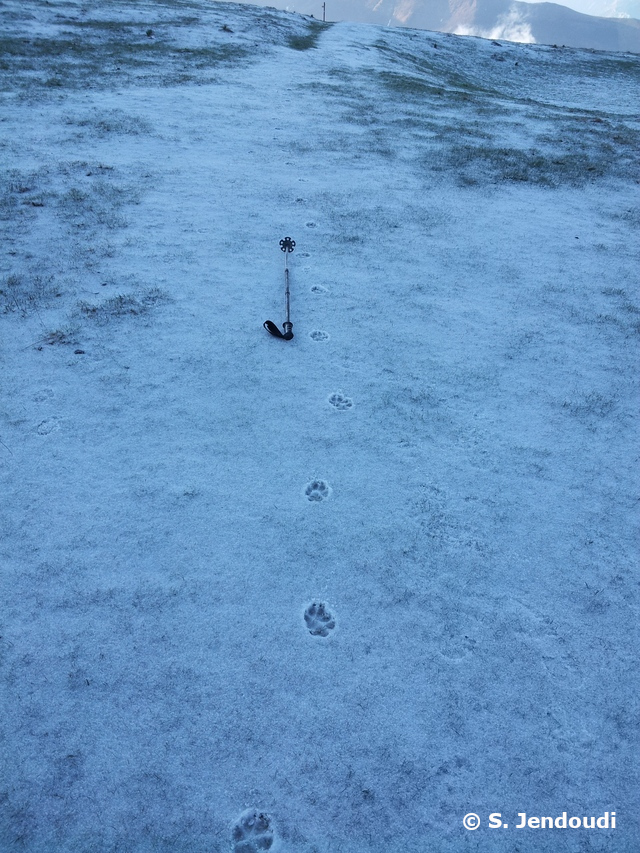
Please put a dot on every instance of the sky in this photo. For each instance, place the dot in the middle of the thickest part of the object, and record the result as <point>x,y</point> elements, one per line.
<point>604,8</point>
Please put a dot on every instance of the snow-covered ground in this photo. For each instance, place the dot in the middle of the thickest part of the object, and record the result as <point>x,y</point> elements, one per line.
<point>444,456</point>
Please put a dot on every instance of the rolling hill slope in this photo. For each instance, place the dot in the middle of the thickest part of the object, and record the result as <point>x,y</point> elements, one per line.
<point>512,20</point>
<point>336,593</point>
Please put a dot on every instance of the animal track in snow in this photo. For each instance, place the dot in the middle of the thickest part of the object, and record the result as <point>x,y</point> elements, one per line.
<point>318,288</point>
<point>43,395</point>
<point>252,832</point>
<point>47,426</point>
<point>319,620</point>
<point>317,335</point>
<point>311,224</point>
<point>537,631</point>
<point>456,648</point>
<point>317,490</point>
<point>339,401</point>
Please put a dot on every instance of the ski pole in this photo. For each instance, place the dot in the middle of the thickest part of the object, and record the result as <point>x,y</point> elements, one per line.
<point>287,245</point>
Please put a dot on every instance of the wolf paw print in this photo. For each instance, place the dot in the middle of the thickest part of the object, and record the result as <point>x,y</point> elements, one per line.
<point>44,395</point>
<point>317,490</point>
<point>456,648</point>
<point>252,832</point>
<point>47,426</point>
<point>319,620</point>
<point>340,401</point>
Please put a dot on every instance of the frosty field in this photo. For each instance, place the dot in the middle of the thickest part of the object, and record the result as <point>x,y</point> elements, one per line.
<point>364,582</point>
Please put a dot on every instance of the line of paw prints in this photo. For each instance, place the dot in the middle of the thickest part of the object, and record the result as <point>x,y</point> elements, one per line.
<point>319,619</point>
<point>317,490</point>
<point>252,832</point>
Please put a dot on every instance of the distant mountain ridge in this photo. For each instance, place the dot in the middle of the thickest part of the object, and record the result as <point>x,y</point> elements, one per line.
<point>512,20</point>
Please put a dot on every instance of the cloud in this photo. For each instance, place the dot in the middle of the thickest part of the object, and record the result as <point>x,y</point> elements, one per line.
<point>511,26</point>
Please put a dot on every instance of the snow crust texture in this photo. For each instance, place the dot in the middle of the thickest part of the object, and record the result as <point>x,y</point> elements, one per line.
<point>330,594</point>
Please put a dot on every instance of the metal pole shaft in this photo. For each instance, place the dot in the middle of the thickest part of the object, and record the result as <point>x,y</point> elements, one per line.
<point>286,290</point>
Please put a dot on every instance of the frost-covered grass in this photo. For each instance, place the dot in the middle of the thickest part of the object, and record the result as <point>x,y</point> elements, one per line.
<point>162,44</point>
<point>310,38</point>
<point>329,594</point>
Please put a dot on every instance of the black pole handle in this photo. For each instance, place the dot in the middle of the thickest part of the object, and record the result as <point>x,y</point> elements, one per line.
<point>271,327</point>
